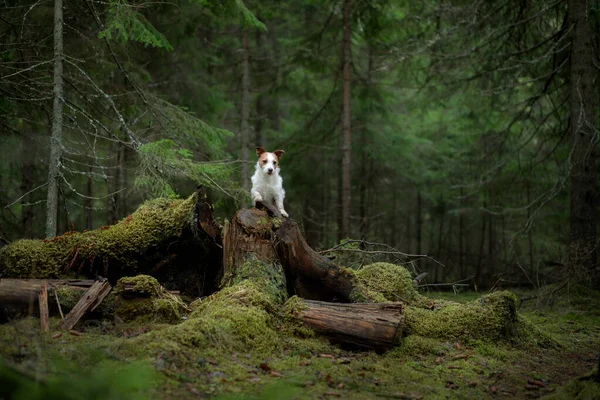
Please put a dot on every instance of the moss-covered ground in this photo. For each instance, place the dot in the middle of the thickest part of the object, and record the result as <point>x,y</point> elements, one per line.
<point>231,348</point>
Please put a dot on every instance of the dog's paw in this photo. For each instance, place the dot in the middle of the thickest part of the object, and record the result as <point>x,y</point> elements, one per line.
<point>257,198</point>
<point>284,213</point>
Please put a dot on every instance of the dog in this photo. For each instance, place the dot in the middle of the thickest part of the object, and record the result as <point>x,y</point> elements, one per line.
<point>267,185</point>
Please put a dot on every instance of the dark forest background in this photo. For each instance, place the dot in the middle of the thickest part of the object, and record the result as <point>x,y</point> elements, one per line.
<point>463,130</point>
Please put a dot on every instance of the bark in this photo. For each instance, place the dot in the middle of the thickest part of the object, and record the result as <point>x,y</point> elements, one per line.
<point>582,123</point>
<point>362,326</point>
<point>312,275</point>
<point>346,121</point>
<point>245,110</point>
<point>57,123</point>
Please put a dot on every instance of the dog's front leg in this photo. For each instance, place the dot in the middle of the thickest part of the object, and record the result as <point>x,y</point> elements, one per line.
<point>256,197</point>
<point>279,205</point>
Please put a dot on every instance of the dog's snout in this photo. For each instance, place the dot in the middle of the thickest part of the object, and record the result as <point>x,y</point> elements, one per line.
<point>270,170</point>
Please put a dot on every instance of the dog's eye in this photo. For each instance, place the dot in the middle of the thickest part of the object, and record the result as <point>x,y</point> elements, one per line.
<point>274,162</point>
<point>264,161</point>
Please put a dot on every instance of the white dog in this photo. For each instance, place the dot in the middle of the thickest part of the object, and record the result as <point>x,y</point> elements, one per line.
<point>267,185</point>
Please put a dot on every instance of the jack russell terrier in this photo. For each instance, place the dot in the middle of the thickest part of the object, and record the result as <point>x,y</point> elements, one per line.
<point>267,185</point>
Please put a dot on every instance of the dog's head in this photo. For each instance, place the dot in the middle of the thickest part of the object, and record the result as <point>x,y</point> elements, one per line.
<point>268,162</point>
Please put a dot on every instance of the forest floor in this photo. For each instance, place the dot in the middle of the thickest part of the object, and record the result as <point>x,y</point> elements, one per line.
<point>102,362</point>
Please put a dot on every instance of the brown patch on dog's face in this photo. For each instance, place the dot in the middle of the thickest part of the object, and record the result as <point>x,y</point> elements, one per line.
<point>263,158</point>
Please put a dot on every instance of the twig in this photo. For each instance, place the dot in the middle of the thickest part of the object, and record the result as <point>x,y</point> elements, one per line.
<point>62,316</point>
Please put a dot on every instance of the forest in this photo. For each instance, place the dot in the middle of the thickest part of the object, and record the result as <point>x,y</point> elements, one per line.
<point>441,159</point>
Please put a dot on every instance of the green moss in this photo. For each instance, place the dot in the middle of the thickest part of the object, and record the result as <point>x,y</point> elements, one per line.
<point>268,278</point>
<point>220,323</point>
<point>144,284</point>
<point>117,245</point>
<point>492,317</point>
<point>291,311</point>
<point>68,297</point>
<point>382,282</point>
<point>579,389</point>
<point>151,303</point>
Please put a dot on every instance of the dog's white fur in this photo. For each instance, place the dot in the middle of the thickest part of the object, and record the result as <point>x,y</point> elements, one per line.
<point>267,184</point>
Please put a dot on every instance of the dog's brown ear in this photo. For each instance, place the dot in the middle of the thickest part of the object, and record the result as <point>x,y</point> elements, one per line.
<point>259,151</point>
<point>278,153</point>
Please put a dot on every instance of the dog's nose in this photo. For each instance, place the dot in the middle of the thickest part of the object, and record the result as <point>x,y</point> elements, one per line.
<point>270,170</point>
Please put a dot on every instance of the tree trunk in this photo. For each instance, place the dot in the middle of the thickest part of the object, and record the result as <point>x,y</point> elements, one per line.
<point>177,242</point>
<point>57,124</point>
<point>89,202</point>
<point>582,123</point>
<point>26,186</point>
<point>478,271</point>
<point>419,224</point>
<point>365,162</point>
<point>245,110</point>
<point>261,100</point>
<point>440,243</point>
<point>491,261</point>
<point>346,121</point>
<point>529,227</point>
<point>461,258</point>
<point>253,235</point>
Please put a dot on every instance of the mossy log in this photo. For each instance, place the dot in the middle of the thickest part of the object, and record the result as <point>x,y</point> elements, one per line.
<point>175,241</point>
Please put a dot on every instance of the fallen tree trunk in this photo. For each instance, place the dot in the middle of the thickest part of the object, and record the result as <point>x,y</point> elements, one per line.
<point>176,241</point>
<point>360,326</point>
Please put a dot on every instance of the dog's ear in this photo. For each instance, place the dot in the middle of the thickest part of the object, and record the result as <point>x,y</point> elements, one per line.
<point>278,153</point>
<point>259,151</point>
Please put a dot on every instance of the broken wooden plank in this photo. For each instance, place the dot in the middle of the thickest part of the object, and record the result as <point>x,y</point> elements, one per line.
<point>25,291</point>
<point>43,300</point>
<point>89,299</point>
<point>101,295</point>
